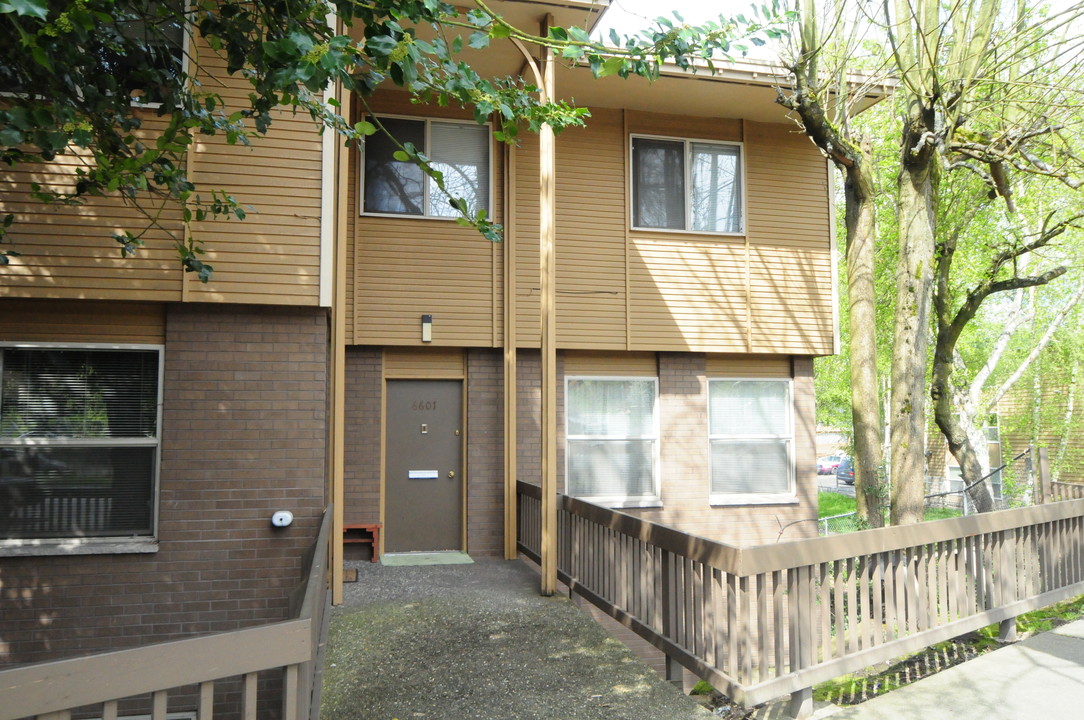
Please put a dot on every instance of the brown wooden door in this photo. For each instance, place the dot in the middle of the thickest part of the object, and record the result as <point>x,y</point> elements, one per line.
<point>423,483</point>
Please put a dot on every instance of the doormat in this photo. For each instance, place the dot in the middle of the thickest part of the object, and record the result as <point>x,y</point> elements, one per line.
<point>425,558</point>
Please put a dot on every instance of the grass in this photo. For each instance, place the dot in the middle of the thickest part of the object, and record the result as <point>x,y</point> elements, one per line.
<point>830,503</point>
<point>858,687</point>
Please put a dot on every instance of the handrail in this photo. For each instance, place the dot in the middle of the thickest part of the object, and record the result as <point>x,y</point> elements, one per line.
<point>60,685</point>
<point>759,622</point>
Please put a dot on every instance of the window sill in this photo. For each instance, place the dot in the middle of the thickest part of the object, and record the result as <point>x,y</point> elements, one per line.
<point>408,216</point>
<point>623,503</point>
<point>77,546</point>
<point>752,499</point>
<point>675,231</point>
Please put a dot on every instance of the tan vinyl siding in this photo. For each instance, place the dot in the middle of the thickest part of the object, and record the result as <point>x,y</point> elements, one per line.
<point>68,251</point>
<point>790,262</point>
<point>768,292</point>
<point>616,364</point>
<point>591,234</point>
<point>273,256</point>
<point>687,292</point>
<point>82,322</point>
<point>748,366</point>
<point>405,267</point>
<point>424,363</point>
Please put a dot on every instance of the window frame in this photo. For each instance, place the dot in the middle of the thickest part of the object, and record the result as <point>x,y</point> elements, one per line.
<point>688,142</point>
<point>653,500</point>
<point>103,544</point>
<point>766,498</point>
<point>425,183</point>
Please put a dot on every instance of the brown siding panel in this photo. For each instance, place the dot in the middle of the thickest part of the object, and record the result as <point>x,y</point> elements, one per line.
<point>791,264</point>
<point>273,256</point>
<point>82,322</point>
<point>68,250</point>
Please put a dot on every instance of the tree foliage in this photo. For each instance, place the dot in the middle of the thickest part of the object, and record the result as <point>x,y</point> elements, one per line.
<point>81,73</point>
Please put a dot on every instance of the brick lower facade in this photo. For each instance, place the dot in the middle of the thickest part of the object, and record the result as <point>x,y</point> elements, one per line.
<point>684,450</point>
<point>243,435</point>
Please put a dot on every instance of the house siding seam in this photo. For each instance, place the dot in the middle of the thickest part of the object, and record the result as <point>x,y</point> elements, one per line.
<point>243,428</point>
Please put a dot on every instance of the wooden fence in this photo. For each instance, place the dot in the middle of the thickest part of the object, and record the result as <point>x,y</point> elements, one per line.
<point>99,683</point>
<point>761,622</point>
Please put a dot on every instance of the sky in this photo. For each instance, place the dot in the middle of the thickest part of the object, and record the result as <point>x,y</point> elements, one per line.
<point>628,16</point>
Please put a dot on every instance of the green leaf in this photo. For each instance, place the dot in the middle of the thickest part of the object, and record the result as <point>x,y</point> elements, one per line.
<point>612,66</point>
<point>479,40</point>
<point>33,8</point>
<point>401,156</point>
<point>364,128</point>
<point>500,31</point>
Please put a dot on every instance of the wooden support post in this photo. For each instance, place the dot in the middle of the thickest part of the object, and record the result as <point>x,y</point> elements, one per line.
<point>1006,631</point>
<point>674,669</point>
<point>338,369</point>
<point>801,703</point>
<point>547,241</point>
<point>511,447</point>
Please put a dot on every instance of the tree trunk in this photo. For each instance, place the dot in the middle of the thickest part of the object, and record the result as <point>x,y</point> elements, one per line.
<point>865,398</point>
<point>917,209</point>
<point>960,444</point>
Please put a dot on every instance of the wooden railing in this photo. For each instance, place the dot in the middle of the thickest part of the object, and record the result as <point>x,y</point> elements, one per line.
<point>100,683</point>
<point>1067,491</point>
<point>761,622</point>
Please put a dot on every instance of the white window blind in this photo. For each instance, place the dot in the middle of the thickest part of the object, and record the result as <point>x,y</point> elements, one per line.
<point>78,442</point>
<point>752,437</point>
<point>611,437</point>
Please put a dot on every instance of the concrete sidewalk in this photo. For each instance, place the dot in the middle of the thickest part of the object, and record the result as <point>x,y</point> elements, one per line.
<point>1041,678</point>
<point>478,641</point>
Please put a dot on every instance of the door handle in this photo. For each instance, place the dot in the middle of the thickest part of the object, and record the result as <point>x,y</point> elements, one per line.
<point>451,473</point>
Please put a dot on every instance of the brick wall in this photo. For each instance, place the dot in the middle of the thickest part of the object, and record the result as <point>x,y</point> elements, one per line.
<point>684,453</point>
<point>243,435</point>
<point>485,452</point>
<point>364,383</point>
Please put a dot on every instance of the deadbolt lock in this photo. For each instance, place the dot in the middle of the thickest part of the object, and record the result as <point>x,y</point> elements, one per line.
<point>451,473</point>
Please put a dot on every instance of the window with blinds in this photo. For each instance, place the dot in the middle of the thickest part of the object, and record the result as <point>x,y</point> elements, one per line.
<point>612,437</point>
<point>458,150</point>
<point>79,435</point>
<point>687,185</point>
<point>751,431</point>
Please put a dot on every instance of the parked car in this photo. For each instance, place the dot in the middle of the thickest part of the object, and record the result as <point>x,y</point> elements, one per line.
<point>828,464</point>
<point>845,471</point>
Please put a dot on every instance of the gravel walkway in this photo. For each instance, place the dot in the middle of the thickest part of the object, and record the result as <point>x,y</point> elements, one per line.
<point>454,642</point>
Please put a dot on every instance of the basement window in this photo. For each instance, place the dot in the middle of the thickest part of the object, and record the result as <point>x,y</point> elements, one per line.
<point>460,151</point>
<point>751,431</point>
<point>79,443</point>
<point>612,440</point>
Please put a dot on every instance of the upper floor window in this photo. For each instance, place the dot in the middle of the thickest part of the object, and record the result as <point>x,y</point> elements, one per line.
<point>612,437</point>
<point>459,150</point>
<point>693,185</point>
<point>79,434</point>
<point>751,430</point>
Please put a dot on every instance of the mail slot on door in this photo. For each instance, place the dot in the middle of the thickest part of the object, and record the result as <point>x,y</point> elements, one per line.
<point>423,474</point>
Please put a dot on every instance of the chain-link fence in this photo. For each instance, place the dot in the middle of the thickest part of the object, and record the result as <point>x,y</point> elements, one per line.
<point>1011,485</point>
